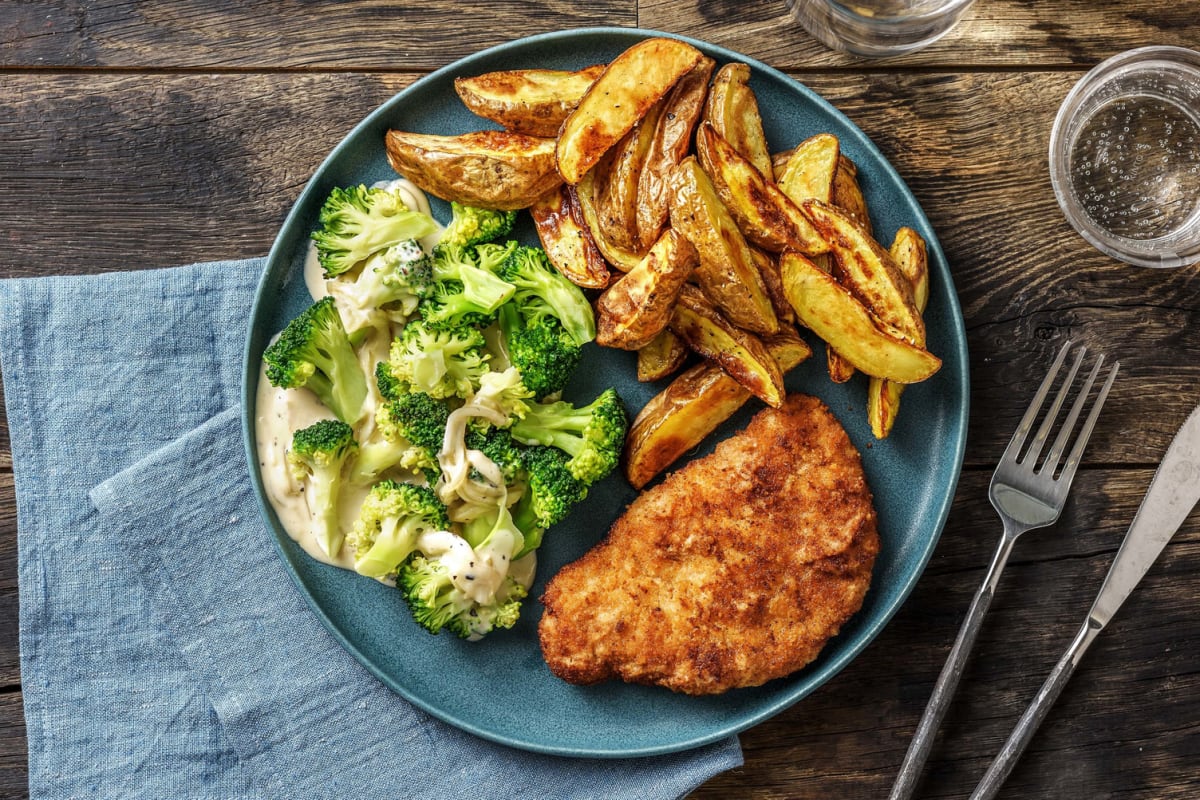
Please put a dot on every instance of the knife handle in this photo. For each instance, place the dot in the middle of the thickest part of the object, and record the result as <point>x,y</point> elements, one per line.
<point>1022,734</point>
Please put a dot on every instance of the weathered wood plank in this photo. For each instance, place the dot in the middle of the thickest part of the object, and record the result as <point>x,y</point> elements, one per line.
<point>142,171</point>
<point>370,35</point>
<point>993,33</point>
<point>14,781</point>
<point>363,34</point>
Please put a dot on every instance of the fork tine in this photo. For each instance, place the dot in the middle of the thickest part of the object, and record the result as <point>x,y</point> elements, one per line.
<point>1068,427</point>
<point>1018,439</point>
<point>1035,447</point>
<point>1085,433</point>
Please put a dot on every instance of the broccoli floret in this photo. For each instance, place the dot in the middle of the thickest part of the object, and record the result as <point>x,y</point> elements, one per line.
<point>505,392</point>
<point>412,427</point>
<point>392,518</point>
<point>463,584</point>
<point>447,306</point>
<point>389,387</point>
<point>591,435</point>
<point>542,291</point>
<point>395,279</point>
<point>550,494</point>
<point>314,351</point>
<point>315,459</point>
<point>460,265</point>
<point>440,362</point>
<point>498,445</point>
<point>544,353</point>
<point>358,221</point>
<point>470,225</point>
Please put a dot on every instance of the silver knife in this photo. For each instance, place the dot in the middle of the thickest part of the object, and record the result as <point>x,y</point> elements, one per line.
<point>1173,493</point>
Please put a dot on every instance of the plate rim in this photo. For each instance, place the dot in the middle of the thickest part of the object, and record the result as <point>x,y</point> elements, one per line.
<point>785,699</point>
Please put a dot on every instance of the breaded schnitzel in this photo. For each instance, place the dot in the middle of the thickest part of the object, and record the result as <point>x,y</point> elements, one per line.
<point>734,570</point>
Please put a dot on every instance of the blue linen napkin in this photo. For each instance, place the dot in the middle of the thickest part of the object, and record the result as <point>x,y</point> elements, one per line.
<point>164,650</point>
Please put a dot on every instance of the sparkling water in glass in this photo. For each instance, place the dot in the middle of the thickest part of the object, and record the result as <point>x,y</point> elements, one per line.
<point>1125,156</point>
<point>878,28</point>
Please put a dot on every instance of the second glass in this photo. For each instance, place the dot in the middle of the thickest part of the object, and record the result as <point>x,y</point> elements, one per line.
<point>878,28</point>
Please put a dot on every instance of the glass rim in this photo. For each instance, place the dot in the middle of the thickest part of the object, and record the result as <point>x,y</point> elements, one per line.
<point>841,8</point>
<point>1139,252</point>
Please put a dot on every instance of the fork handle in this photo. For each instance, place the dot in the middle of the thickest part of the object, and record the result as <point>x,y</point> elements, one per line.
<point>947,682</point>
<point>1022,734</point>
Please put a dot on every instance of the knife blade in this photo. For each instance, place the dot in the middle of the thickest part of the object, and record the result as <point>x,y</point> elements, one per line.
<point>1174,492</point>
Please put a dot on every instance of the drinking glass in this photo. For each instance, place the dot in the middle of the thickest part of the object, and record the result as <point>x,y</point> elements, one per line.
<point>1125,156</point>
<point>878,28</point>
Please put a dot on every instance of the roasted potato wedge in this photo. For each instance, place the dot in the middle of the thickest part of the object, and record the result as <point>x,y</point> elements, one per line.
<point>639,305</point>
<point>868,271</point>
<point>847,194</point>
<point>559,225</point>
<point>740,353</point>
<point>693,406</point>
<point>726,273</point>
<point>618,257</point>
<point>763,212</point>
<point>808,173</point>
<point>883,396</point>
<point>840,370</point>
<point>492,169</point>
<point>732,109</point>
<point>672,138</point>
<point>634,81</point>
<point>768,268</point>
<point>661,357</point>
<point>616,186</point>
<point>829,310</point>
<point>532,101</point>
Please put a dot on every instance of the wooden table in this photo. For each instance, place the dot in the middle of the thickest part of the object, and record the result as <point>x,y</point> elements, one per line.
<point>137,135</point>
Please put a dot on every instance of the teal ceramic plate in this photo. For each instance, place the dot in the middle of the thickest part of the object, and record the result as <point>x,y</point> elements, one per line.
<point>500,688</point>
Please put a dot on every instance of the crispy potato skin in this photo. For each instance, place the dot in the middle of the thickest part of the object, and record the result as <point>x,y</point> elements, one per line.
<point>726,273</point>
<point>732,109</point>
<point>691,407</point>
<point>559,225</point>
<point>734,571</point>
<point>661,357</point>
<point>847,195</point>
<point>672,137</point>
<point>738,352</point>
<point>620,258</point>
<point>764,213</point>
<point>530,101</point>
<point>883,396</point>
<point>492,169</point>
<point>633,82</point>
<point>632,312</point>
<point>617,184</point>
<point>829,310</point>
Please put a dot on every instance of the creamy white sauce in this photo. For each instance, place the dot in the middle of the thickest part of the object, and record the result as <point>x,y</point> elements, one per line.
<point>281,412</point>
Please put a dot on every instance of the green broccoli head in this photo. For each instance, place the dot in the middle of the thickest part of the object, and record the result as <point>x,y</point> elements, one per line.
<point>315,460</point>
<point>438,604</point>
<point>470,225</point>
<point>412,427</point>
<point>358,221</point>
<point>498,445</point>
<point>480,287</point>
<point>592,435</point>
<point>392,518</point>
<point>550,494</point>
<point>389,387</point>
<point>314,351</point>
<point>542,291</point>
<point>393,280</point>
<point>448,306</point>
<point>440,362</point>
<point>544,353</point>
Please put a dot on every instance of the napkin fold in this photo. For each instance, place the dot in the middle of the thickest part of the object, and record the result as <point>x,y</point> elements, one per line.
<point>165,652</point>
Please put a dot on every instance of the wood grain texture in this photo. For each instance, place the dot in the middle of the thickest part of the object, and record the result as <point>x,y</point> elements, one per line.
<point>994,33</point>
<point>361,34</point>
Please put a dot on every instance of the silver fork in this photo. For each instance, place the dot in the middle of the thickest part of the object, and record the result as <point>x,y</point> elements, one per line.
<point>1027,495</point>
